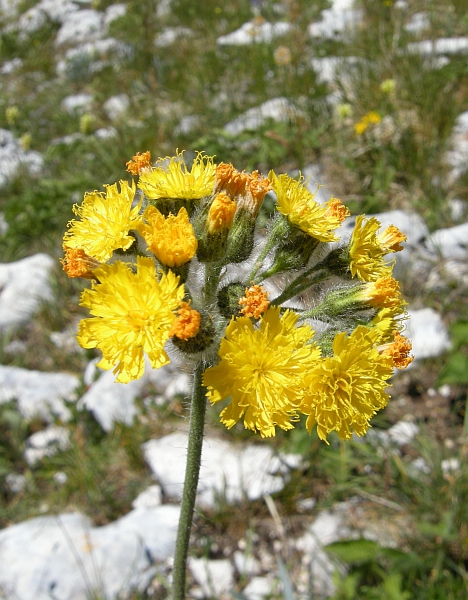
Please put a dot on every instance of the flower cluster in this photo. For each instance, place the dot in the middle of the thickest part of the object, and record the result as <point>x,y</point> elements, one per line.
<point>161,252</point>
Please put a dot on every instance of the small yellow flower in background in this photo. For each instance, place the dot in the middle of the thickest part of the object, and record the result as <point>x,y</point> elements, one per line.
<point>77,263</point>
<point>366,253</point>
<point>133,314</point>
<point>87,123</point>
<point>139,163</point>
<point>371,118</point>
<point>388,86</point>
<point>221,213</point>
<point>399,350</point>
<point>282,56</point>
<point>25,141</point>
<point>171,178</point>
<point>297,203</point>
<point>171,239</point>
<point>11,115</point>
<point>255,302</point>
<point>390,239</point>
<point>346,390</point>
<point>106,220</point>
<point>344,110</point>
<point>187,323</point>
<point>262,370</point>
<point>382,293</point>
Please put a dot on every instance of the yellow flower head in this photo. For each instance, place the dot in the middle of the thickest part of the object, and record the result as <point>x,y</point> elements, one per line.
<point>105,222</point>
<point>297,203</point>
<point>262,369</point>
<point>171,239</point>
<point>171,178</point>
<point>133,314</point>
<point>78,264</point>
<point>347,389</point>
<point>229,180</point>
<point>371,118</point>
<point>139,163</point>
<point>187,323</point>
<point>255,302</point>
<point>383,293</point>
<point>365,251</point>
<point>399,350</point>
<point>388,320</point>
<point>221,213</point>
<point>390,239</point>
<point>255,190</point>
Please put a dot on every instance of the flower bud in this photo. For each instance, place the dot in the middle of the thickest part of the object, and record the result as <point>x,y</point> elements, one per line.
<point>229,298</point>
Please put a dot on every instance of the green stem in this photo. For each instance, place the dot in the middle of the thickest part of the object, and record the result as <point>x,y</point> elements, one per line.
<point>192,472</point>
<point>212,275</point>
<point>299,285</point>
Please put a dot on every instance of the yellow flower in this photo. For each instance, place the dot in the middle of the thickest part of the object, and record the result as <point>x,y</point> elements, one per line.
<point>297,203</point>
<point>346,390</point>
<point>383,293</point>
<point>365,251</point>
<point>78,264</point>
<point>133,314</point>
<point>255,302</point>
<point>229,180</point>
<point>170,178</point>
<point>390,239</point>
<point>139,163</point>
<point>399,350</point>
<point>221,214</point>
<point>171,239</point>
<point>262,369</point>
<point>105,222</point>
<point>371,118</point>
<point>386,321</point>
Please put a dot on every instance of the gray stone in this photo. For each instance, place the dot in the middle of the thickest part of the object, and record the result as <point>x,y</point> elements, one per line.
<point>258,588</point>
<point>150,498</point>
<point>38,394</point>
<point>23,286</point>
<point>278,109</point>
<point>215,577</point>
<point>451,243</point>
<point>403,432</point>
<point>336,20</point>
<point>3,224</point>
<point>9,8</point>
<point>419,22</point>
<point>78,103</point>
<point>113,12</point>
<point>99,54</point>
<point>439,46</point>
<point>13,157</point>
<point>254,31</point>
<point>116,106</point>
<point>105,133</point>
<point>46,443</point>
<point>170,35</point>
<point>16,482</point>
<point>35,17</point>
<point>450,465</point>
<point>10,66</point>
<point>246,564</point>
<point>227,471</point>
<point>427,332</point>
<point>66,558</point>
<point>81,26</point>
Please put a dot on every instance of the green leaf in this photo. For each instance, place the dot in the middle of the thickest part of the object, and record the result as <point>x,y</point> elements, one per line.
<point>456,370</point>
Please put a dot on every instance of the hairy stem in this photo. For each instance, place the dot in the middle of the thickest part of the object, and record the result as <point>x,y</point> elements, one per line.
<point>192,472</point>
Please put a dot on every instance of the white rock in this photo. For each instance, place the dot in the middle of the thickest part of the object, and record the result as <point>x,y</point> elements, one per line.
<point>427,332</point>
<point>15,347</point>
<point>246,564</point>
<point>329,67</point>
<point>457,156</point>
<point>447,271</point>
<point>227,471</point>
<point>335,21</point>
<point>215,577</point>
<point>187,124</point>
<point>78,103</point>
<point>38,394</point>
<point>180,385</point>
<point>3,224</point>
<point>278,109</point>
<point>451,243</point>
<point>66,340</point>
<point>420,465</point>
<point>170,35</point>
<point>403,432</point>
<point>258,588</point>
<point>60,477</point>
<point>113,12</point>
<point>419,22</point>
<point>67,140</point>
<point>105,133</point>
<point>12,157</point>
<point>327,527</point>
<point>150,498</point>
<point>449,465</point>
<point>81,26</point>
<point>99,53</point>
<point>458,208</point>
<point>10,66</point>
<point>66,558</point>
<point>116,106</point>
<point>9,8</point>
<point>255,31</point>
<point>439,46</point>
<point>23,286</point>
<point>16,482</point>
<point>306,504</point>
<point>46,443</point>
<point>36,16</point>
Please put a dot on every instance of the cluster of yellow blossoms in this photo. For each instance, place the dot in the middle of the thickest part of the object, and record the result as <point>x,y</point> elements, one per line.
<point>162,256</point>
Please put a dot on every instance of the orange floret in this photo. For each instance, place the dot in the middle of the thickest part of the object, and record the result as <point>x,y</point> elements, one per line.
<point>187,322</point>
<point>77,263</point>
<point>255,302</point>
<point>399,350</point>
<point>221,213</point>
<point>139,162</point>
